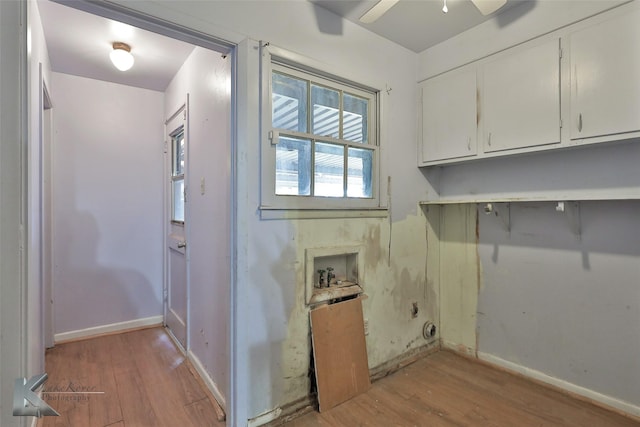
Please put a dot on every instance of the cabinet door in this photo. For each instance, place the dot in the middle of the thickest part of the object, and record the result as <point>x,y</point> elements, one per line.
<point>521,96</point>
<point>605,72</point>
<point>449,116</point>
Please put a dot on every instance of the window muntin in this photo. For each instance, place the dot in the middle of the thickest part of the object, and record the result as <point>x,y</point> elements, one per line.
<point>324,136</point>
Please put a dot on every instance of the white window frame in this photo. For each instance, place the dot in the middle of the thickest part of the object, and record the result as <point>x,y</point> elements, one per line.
<point>280,60</point>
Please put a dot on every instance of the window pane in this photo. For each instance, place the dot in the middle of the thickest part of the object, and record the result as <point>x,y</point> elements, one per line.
<point>178,154</point>
<point>355,124</point>
<point>329,170</point>
<point>359,175</point>
<point>326,111</point>
<point>178,200</point>
<point>289,103</point>
<point>293,166</point>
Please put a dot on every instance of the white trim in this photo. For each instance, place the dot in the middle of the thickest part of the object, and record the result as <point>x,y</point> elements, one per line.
<point>106,329</point>
<point>264,418</point>
<point>612,402</point>
<point>211,385</point>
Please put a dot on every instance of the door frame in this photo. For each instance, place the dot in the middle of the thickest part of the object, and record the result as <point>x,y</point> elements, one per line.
<point>45,141</point>
<point>150,17</point>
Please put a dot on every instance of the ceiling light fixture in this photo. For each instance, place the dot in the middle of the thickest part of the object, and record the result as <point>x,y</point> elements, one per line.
<point>121,56</point>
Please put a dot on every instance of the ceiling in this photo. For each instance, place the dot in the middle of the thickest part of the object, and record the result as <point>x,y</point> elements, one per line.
<point>415,24</point>
<point>79,43</point>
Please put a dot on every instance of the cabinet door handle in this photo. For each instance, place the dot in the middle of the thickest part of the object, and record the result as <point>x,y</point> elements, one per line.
<point>580,123</point>
<point>489,139</point>
<point>469,143</point>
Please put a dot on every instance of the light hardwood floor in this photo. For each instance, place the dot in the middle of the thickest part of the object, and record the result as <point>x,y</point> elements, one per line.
<point>445,389</point>
<point>145,380</point>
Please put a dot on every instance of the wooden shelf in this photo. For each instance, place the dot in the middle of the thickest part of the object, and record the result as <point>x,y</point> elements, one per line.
<point>334,291</point>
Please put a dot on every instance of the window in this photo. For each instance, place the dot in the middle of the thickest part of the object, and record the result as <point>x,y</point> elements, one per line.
<point>322,142</point>
<point>177,175</point>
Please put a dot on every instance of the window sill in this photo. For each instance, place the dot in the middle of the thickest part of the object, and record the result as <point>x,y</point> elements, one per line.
<point>276,213</point>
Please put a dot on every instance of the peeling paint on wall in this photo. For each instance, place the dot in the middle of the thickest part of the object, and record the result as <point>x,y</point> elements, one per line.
<point>459,273</point>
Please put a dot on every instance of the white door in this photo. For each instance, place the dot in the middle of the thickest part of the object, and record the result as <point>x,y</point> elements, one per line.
<point>176,284</point>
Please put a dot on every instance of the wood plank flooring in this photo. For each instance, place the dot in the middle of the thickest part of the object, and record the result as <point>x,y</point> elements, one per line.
<point>136,379</point>
<point>445,389</point>
<point>147,383</point>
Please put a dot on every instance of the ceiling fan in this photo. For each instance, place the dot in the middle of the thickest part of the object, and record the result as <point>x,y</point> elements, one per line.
<point>484,6</point>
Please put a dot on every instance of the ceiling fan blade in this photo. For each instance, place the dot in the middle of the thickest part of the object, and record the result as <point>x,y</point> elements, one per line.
<point>377,11</point>
<point>487,7</point>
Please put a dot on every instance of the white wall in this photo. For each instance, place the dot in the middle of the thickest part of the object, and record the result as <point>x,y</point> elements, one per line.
<point>107,202</point>
<point>562,304</point>
<point>206,77</point>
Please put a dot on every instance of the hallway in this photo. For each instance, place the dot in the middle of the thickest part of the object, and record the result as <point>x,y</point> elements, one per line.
<point>132,379</point>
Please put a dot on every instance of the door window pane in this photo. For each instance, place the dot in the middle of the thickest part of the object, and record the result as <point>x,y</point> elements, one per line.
<point>326,111</point>
<point>359,174</point>
<point>178,154</point>
<point>289,103</point>
<point>178,200</point>
<point>329,170</point>
<point>355,126</point>
<point>293,166</point>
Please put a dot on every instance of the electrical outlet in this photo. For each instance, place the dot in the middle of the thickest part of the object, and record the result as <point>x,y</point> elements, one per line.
<point>366,326</point>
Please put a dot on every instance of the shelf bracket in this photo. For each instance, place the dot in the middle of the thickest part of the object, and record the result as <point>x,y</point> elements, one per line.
<point>572,211</point>
<point>502,211</point>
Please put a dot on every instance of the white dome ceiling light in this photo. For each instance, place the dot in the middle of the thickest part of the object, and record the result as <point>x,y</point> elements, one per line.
<point>121,56</point>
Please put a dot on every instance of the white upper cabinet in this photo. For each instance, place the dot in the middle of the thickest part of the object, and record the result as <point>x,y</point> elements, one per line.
<point>449,116</point>
<point>521,98</point>
<point>605,73</point>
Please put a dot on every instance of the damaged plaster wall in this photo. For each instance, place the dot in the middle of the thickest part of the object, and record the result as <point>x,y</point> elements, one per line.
<point>392,281</point>
<point>459,275</point>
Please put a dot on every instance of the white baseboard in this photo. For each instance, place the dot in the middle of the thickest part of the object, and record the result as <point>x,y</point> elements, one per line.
<point>106,329</point>
<point>565,385</point>
<point>264,418</point>
<point>211,385</point>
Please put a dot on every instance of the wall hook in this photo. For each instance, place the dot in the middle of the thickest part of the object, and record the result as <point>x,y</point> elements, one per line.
<point>388,89</point>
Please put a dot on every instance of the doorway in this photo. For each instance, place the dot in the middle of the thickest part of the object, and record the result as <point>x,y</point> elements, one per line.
<point>110,247</point>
